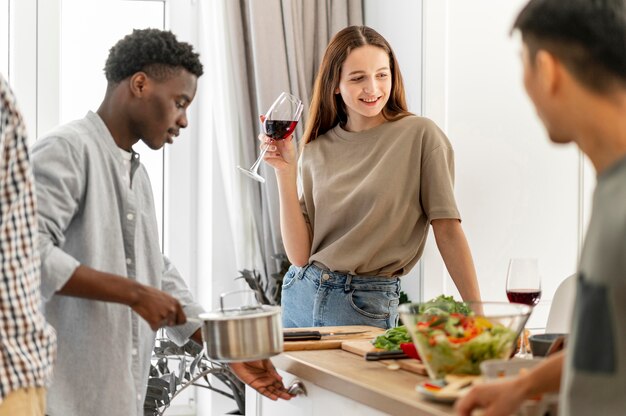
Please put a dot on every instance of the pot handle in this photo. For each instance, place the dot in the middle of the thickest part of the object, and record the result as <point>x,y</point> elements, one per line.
<point>232,292</point>
<point>297,388</point>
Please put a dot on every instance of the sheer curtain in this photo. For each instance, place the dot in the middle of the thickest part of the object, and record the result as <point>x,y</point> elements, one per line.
<point>253,50</point>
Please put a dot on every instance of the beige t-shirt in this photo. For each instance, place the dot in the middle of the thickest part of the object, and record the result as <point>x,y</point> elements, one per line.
<point>370,196</point>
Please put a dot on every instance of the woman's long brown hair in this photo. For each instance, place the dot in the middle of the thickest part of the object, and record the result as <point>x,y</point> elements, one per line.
<point>327,108</point>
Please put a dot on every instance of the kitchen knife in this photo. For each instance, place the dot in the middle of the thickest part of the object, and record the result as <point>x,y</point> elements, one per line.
<point>385,355</point>
<point>314,335</point>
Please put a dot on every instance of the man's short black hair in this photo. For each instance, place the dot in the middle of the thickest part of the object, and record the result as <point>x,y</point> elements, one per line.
<point>154,51</point>
<point>588,36</point>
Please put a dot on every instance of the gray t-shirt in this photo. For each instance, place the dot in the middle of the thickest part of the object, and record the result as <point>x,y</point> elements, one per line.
<point>370,196</point>
<point>594,380</point>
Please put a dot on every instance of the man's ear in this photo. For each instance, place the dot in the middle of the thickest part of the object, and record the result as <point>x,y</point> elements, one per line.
<point>549,71</point>
<point>138,82</point>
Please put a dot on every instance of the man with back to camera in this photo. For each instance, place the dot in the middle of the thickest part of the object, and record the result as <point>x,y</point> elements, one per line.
<point>102,268</point>
<point>574,57</point>
<point>27,342</point>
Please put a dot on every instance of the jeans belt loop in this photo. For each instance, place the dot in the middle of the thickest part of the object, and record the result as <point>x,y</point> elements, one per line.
<point>303,271</point>
<point>346,286</point>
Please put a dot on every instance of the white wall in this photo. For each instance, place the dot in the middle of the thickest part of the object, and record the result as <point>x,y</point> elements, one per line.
<point>4,37</point>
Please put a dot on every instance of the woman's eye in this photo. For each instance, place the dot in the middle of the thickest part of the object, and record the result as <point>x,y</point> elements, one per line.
<point>357,79</point>
<point>383,75</point>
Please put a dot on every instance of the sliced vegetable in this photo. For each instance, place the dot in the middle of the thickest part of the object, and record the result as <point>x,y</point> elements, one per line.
<point>392,338</point>
<point>409,349</point>
<point>444,305</point>
<point>460,343</point>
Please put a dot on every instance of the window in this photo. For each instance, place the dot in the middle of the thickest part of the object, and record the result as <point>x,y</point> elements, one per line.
<point>53,54</point>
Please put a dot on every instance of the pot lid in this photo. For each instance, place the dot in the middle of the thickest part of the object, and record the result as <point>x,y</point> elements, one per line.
<point>244,312</point>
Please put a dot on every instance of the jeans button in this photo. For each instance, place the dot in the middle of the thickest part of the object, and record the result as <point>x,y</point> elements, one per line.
<point>325,277</point>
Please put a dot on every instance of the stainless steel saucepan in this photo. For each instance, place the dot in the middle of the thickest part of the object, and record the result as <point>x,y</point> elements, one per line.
<point>248,333</point>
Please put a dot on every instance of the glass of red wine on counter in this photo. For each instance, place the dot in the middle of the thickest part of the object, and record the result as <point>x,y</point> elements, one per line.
<point>523,285</point>
<point>279,122</point>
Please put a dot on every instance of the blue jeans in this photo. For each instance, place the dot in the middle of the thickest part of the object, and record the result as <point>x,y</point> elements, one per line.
<point>312,296</point>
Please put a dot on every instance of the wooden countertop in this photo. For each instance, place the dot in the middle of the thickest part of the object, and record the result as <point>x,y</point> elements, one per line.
<point>368,382</point>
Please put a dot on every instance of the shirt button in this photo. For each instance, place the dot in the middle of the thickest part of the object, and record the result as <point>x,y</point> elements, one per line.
<point>130,216</point>
<point>134,351</point>
<point>325,277</point>
<point>129,261</point>
<point>139,397</point>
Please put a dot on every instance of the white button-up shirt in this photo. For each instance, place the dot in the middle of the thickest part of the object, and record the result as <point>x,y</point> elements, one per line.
<point>89,215</point>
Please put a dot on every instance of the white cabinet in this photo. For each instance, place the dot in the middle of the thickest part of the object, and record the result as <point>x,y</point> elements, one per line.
<point>342,383</point>
<point>317,402</point>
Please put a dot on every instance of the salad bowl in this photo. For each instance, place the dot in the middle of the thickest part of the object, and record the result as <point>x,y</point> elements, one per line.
<point>455,338</point>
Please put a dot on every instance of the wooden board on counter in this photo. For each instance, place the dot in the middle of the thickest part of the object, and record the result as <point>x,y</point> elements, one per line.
<point>332,341</point>
<point>361,347</point>
<point>413,365</point>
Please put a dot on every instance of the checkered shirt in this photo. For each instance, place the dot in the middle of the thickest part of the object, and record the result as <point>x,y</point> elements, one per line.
<point>27,342</point>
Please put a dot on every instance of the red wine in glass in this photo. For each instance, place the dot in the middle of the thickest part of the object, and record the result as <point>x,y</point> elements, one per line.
<point>523,285</point>
<point>528,297</point>
<point>279,129</point>
<point>278,123</point>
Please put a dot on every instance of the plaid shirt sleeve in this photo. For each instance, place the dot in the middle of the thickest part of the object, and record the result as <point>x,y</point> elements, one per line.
<point>27,342</point>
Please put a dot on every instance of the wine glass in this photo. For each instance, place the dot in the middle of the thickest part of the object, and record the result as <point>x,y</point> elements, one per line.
<point>523,285</point>
<point>279,122</point>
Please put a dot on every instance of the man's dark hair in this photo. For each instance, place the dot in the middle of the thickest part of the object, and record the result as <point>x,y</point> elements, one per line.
<point>153,51</point>
<point>588,36</point>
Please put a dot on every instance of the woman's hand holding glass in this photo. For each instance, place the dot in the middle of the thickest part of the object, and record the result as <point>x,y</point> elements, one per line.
<point>278,124</point>
<point>282,155</point>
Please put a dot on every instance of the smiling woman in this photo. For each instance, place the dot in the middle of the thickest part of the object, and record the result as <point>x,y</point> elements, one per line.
<point>364,86</point>
<point>349,251</point>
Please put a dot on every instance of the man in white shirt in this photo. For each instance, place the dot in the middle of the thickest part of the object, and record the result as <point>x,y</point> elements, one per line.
<point>108,286</point>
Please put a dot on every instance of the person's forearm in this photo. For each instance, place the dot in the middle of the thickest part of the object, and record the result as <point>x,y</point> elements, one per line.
<point>544,378</point>
<point>294,229</point>
<point>457,257</point>
<point>92,284</point>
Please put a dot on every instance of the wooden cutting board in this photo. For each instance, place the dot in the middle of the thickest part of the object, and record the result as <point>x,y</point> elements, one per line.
<point>332,341</point>
<point>360,347</point>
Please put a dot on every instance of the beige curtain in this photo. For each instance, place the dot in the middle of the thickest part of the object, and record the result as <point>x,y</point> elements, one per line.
<point>274,46</point>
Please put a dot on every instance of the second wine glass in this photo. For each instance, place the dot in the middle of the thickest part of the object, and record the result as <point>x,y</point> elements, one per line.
<point>279,122</point>
<point>523,285</point>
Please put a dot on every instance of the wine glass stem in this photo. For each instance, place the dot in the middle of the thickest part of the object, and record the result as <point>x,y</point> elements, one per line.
<point>256,164</point>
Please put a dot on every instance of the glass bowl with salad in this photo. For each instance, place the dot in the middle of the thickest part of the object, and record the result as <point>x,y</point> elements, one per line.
<point>455,337</point>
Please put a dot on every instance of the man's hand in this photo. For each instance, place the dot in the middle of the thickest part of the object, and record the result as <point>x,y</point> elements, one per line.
<point>261,376</point>
<point>506,396</point>
<point>498,398</point>
<point>158,308</point>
